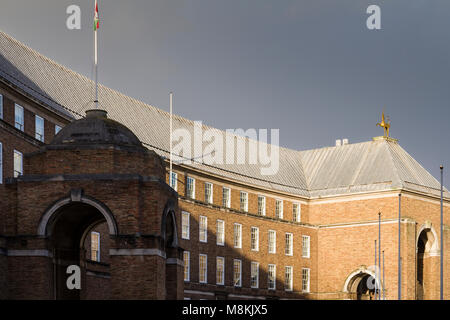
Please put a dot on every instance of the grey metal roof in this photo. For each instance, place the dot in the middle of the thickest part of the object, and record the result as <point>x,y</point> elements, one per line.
<point>360,167</point>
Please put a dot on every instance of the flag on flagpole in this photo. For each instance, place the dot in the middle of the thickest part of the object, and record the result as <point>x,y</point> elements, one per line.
<point>96,19</point>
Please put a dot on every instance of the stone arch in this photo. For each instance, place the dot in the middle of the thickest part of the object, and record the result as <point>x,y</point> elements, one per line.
<point>169,232</point>
<point>49,216</point>
<point>427,252</point>
<point>355,285</point>
<point>428,230</point>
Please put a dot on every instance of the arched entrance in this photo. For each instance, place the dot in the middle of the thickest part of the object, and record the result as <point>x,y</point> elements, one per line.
<point>68,226</point>
<point>360,285</point>
<point>426,250</point>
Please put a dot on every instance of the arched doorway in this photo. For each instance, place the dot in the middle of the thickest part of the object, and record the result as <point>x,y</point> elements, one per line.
<point>360,285</point>
<point>426,249</point>
<point>69,226</point>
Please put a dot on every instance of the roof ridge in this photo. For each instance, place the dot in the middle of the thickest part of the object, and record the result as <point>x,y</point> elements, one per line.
<point>394,167</point>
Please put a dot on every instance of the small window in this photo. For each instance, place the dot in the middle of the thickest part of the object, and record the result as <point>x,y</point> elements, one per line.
<point>288,278</point>
<point>95,246</point>
<point>203,268</point>
<point>39,128</point>
<point>1,106</point>
<point>220,233</point>
<point>173,180</point>
<point>244,201</point>
<point>226,198</point>
<point>190,188</point>
<point>18,164</point>
<point>305,246</point>
<point>289,244</point>
<point>305,280</point>
<point>254,238</point>
<point>185,225</point>
<point>57,129</point>
<point>237,273</point>
<point>296,212</point>
<point>203,229</point>
<point>237,235</point>
<point>187,265</point>
<point>261,205</point>
<point>272,241</point>
<point>220,270</point>
<point>208,192</point>
<point>18,116</point>
<point>254,280</point>
<point>271,277</point>
<point>279,209</point>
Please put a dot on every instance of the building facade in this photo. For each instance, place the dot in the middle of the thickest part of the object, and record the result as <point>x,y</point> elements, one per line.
<point>80,188</point>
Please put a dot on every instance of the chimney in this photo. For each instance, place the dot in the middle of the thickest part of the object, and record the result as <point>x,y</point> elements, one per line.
<point>344,142</point>
<point>338,142</point>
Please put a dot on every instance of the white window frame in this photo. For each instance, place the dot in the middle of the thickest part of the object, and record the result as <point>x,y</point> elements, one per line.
<point>237,282</point>
<point>203,229</point>
<point>306,246</point>
<point>185,227</point>
<point>261,205</point>
<point>279,209</point>
<point>288,286</point>
<point>205,274</point>
<point>39,135</point>
<point>57,129</point>
<point>1,106</point>
<point>18,125</point>
<point>289,244</point>
<point>173,180</point>
<point>188,195</point>
<point>220,235</point>
<point>209,197</point>
<point>21,163</point>
<point>254,238</point>
<point>187,266</point>
<point>226,202</point>
<point>243,204</point>
<point>296,217</point>
<point>97,258</point>
<point>305,276</point>
<point>222,259</point>
<point>237,235</point>
<point>254,284</point>
<point>274,287</point>
<point>274,247</point>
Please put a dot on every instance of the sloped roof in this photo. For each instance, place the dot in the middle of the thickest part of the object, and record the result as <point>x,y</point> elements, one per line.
<point>360,167</point>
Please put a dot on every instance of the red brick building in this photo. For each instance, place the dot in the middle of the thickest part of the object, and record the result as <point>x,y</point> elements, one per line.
<point>99,195</point>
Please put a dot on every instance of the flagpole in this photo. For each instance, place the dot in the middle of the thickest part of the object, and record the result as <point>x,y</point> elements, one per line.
<point>170,107</point>
<point>442,235</point>
<point>95,56</point>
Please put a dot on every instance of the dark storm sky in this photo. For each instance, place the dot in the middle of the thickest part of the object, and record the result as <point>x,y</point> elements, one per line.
<point>310,68</point>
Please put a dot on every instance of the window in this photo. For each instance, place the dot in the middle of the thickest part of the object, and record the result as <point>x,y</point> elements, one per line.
<point>173,180</point>
<point>237,235</point>
<point>296,212</point>
<point>208,192</point>
<point>220,270</point>
<point>254,239</point>
<point>39,128</point>
<point>279,209</point>
<point>95,246</point>
<point>244,201</point>
<point>187,265</point>
<point>305,246</point>
<point>57,129</point>
<point>1,106</point>
<point>203,268</point>
<point>18,163</point>
<point>237,273</point>
<point>18,116</point>
<point>305,280</point>
<point>185,225</point>
<point>190,187</point>
<point>220,233</point>
<point>271,277</point>
<point>203,229</point>
<point>226,198</point>
<point>289,244</point>
<point>288,278</point>
<point>254,280</point>
<point>261,205</point>
<point>1,163</point>
<point>272,241</point>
